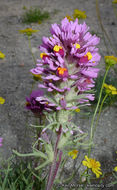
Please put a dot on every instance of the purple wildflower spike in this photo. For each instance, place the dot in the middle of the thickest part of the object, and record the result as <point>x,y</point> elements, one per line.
<point>68,59</point>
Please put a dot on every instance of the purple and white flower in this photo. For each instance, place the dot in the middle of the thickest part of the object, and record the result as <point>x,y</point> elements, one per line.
<point>68,60</point>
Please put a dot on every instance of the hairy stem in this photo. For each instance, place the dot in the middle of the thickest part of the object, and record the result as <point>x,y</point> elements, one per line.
<point>38,145</point>
<point>55,165</point>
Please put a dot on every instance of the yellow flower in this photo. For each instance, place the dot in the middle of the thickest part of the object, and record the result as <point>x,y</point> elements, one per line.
<point>2,56</point>
<point>2,100</point>
<point>79,14</point>
<point>28,31</point>
<point>77,110</point>
<point>110,60</point>
<point>69,18</point>
<point>115,169</point>
<point>93,165</point>
<point>115,1</point>
<point>110,89</point>
<point>73,153</point>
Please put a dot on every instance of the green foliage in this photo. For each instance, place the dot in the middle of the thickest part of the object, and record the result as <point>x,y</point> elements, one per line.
<point>110,100</point>
<point>35,15</point>
<point>19,176</point>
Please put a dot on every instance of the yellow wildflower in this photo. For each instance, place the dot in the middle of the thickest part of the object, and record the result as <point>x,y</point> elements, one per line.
<point>69,18</point>
<point>2,56</point>
<point>110,60</point>
<point>115,168</point>
<point>73,153</point>
<point>2,100</point>
<point>28,31</point>
<point>77,110</point>
<point>115,1</point>
<point>93,165</point>
<point>79,14</point>
<point>110,89</point>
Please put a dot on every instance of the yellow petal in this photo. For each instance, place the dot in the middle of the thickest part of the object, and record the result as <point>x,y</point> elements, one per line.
<point>115,1</point>
<point>2,100</point>
<point>2,56</point>
<point>84,163</point>
<point>74,156</point>
<point>87,158</point>
<point>97,172</point>
<point>114,92</point>
<point>115,169</point>
<point>105,85</point>
<point>98,163</point>
<point>77,46</point>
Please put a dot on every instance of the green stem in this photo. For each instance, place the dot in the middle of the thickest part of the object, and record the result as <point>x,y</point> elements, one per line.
<point>83,174</point>
<point>100,109</point>
<point>93,119</point>
<point>29,43</point>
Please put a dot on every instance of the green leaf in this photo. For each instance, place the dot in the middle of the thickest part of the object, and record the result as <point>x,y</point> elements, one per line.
<point>37,126</point>
<point>35,154</point>
<point>42,165</point>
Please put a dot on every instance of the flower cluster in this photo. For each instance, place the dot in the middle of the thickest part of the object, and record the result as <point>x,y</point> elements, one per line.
<point>67,64</point>
<point>93,165</point>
